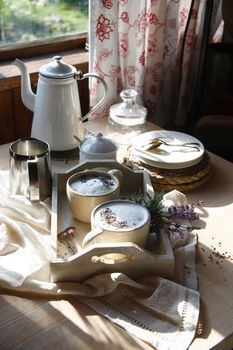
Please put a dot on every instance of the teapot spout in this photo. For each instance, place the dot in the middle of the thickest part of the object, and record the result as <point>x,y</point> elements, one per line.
<point>27,95</point>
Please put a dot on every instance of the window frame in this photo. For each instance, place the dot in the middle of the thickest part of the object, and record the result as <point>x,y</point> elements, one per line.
<point>44,46</point>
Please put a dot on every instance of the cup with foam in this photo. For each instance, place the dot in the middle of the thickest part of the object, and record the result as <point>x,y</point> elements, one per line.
<point>87,189</point>
<point>118,221</point>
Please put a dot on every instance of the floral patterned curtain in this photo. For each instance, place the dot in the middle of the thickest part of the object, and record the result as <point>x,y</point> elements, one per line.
<point>137,44</point>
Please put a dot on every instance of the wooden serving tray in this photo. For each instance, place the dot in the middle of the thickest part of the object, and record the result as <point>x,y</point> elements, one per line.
<point>98,258</point>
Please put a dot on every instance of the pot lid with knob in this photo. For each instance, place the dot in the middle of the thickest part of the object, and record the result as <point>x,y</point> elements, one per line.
<point>98,144</point>
<point>57,69</point>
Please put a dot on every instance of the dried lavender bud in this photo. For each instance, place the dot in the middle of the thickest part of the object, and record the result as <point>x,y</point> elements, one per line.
<point>185,212</point>
<point>110,218</point>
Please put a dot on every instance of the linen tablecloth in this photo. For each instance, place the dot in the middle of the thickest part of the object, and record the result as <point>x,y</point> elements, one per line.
<point>162,312</point>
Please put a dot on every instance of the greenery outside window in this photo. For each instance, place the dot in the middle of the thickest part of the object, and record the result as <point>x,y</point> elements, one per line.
<point>35,27</point>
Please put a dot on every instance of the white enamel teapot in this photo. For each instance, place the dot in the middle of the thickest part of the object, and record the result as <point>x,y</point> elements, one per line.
<point>56,105</point>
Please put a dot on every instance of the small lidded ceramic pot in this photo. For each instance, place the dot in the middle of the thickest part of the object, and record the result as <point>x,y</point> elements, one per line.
<point>98,147</point>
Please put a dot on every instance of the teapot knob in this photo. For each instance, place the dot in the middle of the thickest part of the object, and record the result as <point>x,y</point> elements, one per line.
<point>99,135</point>
<point>57,58</point>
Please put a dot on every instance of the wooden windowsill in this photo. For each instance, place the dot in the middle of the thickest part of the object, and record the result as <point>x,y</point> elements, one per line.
<point>10,76</point>
<point>45,46</point>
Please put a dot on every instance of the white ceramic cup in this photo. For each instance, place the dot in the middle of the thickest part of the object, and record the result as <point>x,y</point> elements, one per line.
<point>87,189</point>
<point>118,221</point>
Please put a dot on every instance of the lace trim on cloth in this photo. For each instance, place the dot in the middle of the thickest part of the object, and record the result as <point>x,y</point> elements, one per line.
<point>164,315</point>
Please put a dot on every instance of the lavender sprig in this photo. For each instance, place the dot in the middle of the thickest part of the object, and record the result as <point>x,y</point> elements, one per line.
<point>170,219</point>
<point>184,212</point>
<point>177,228</point>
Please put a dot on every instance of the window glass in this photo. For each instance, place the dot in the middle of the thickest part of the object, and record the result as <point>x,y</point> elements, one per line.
<point>23,21</point>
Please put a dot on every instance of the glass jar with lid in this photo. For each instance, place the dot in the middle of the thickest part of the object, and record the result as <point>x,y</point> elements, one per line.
<point>128,113</point>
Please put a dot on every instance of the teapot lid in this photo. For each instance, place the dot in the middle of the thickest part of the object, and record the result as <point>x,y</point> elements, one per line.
<point>57,69</point>
<point>98,144</point>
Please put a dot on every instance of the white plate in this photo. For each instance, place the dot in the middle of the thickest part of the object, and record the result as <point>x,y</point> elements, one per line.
<point>168,157</point>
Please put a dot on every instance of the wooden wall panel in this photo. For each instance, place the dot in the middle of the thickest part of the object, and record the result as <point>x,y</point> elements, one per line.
<point>84,95</point>
<point>7,129</point>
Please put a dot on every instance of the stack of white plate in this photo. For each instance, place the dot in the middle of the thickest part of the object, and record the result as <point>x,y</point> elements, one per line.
<point>168,157</point>
<point>174,165</point>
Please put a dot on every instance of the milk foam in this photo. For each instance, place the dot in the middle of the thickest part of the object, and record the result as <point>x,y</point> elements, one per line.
<point>94,185</point>
<point>121,215</point>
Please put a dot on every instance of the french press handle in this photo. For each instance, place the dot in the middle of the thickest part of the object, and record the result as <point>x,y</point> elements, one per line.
<point>80,76</point>
<point>33,176</point>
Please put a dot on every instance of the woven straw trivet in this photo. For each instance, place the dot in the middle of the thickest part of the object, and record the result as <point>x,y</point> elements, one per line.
<point>167,179</point>
<point>177,177</point>
<point>181,187</point>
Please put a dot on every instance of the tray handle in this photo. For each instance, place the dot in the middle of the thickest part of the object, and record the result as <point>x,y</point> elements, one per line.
<point>112,258</point>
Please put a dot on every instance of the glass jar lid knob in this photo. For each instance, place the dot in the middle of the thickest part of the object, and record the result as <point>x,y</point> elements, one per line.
<point>129,96</point>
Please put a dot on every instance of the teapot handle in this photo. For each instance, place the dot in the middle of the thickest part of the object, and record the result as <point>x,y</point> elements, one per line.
<point>80,76</point>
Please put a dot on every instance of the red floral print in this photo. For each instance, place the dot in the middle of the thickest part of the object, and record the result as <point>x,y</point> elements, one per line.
<point>141,23</point>
<point>154,72</point>
<point>189,39</point>
<point>183,16</point>
<point>172,23</point>
<point>103,28</point>
<point>114,72</point>
<point>194,14</point>
<point>130,75</point>
<point>152,48</point>
<point>105,53</point>
<point>123,45</point>
<point>120,85</point>
<point>131,69</point>
<point>142,58</point>
<point>107,4</point>
<point>125,17</point>
<point>131,80</point>
<point>152,18</point>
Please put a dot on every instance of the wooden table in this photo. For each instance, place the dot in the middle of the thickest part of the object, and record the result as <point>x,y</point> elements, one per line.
<point>41,323</point>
